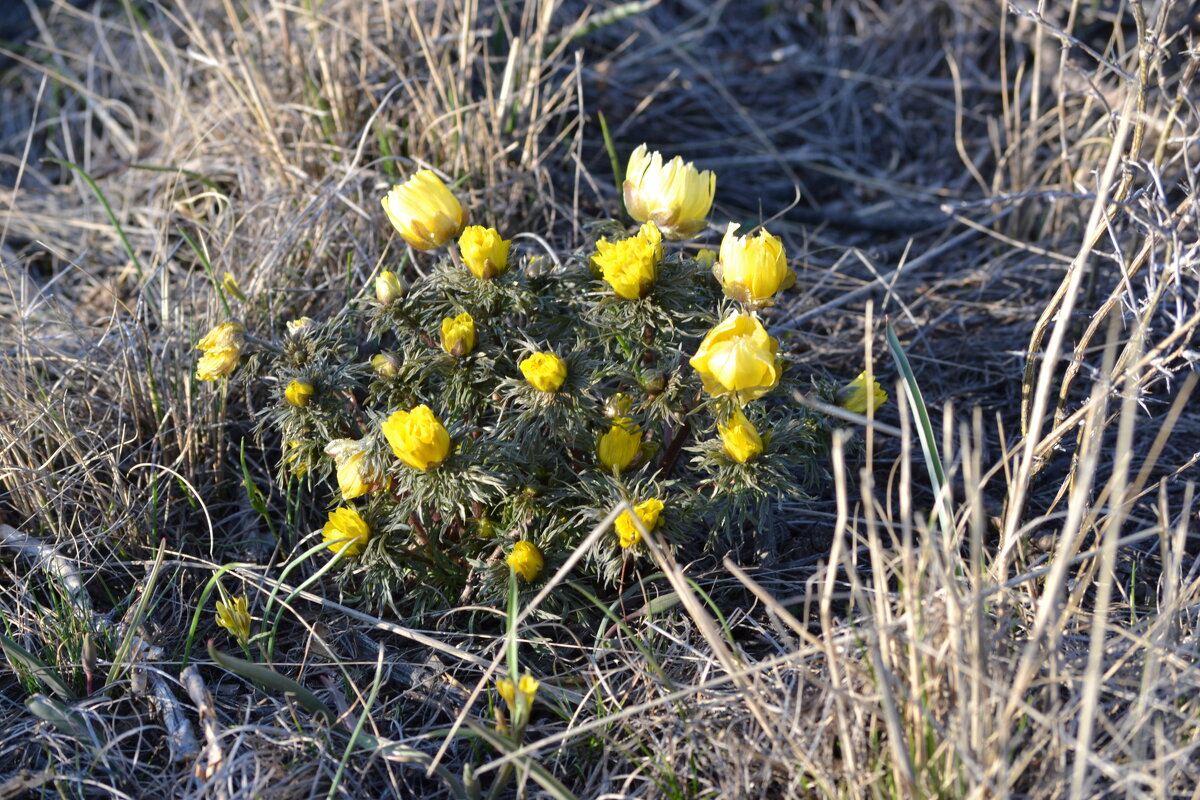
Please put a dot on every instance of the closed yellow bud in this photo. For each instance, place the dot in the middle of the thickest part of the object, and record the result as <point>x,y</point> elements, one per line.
<point>346,531</point>
<point>630,266</point>
<point>458,335</point>
<point>424,211</point>
<point>388,288</point>
<point>234,617</point>
<point>222,348</point>
<point>752,269</point>
<point>740,438</point>
<point>230,285</point>
<point>675,196</point>
<point>855,395</point>
<point>526,559</point>
<point>386,364</point>
<point>484,251</point>
<point>417,437</point>
<point>649,512</point>
<point>621,445</point>
<point>298,393</point>
<point>738,357</point>
<point>544,371</point>
<point>707,257</point>
<point>354,474</point>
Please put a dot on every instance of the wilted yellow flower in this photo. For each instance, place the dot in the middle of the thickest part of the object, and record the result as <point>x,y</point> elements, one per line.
<point>222,348</point>
<point>234,617</point>
<point>740,438</point>
<point>621,445</point>
<point>298,393</point>
<point>417,437</point>
<point>298,325</point>
<point>855,395</point>
<point>354,474</point>
<point>458,335</point>
<point>424,211</point>
<point>544,371</point>
<point>649,512</point>
<point>630,266</point>
<point>526,559</point>
<point>386,364</point>
<point>388,287</point>
<point>738,357</point>
<point>484,251</point>
<point>752,269</point>
<point>707,257</point>
<point>346,531</point>
<point>230,285</point>
<point>675,195</point>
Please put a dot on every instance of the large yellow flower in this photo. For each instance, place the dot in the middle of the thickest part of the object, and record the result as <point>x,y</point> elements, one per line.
<point>354,474</point>
<point>484,251</point>
<point>424,211</point>
<point>738,357</point>
<point>674,195</point>
<point>346,531</point>
<point>648,511</point>
<point>417,437</point>
<point>740,438</point>
<point>458,335</point>
<point>222,348</point>
<point>753,268</point>
<point>630,266</point>
<point>526,559</point>
<point>855,395</point>
<point>544,371</point>
<point>621,445</point>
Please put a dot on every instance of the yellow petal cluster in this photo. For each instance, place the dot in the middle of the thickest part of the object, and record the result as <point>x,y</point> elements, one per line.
<point>298,393</point>
<point>753,269</point>
<point>738,357</point>
<point>231,287</point>
<point>484,251</point>
<point>740,438</point>
<point>424,211</point>
<point>544,371</point>
<point>222,348</point>
<point>649,512</point>
<point>458,335</point>
<point>388,288</point>
<point>855,395</point>
<point>355,476</point>
<point>630,266</point>
<point>346,531</point>
<point>234,617</point>
<point>621,445</point>
<point>526,559</point>
<point>518,696</point>
<point>675,196</point>
<point>417,437</point>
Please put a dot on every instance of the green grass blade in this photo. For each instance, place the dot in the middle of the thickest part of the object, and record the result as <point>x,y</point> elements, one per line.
<point>269,679</point>
<point>540,774</point>
<point>618,178</point>
<point>112,218</point>
<point>39,669</point>
<point>135,621</point>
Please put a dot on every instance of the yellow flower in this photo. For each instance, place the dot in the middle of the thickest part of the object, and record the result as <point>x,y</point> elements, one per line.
<point>526,559</point>
<point>298,394</point>
<point>292,458</point>
<point>519,694</point>
<point>388,288</point>
<point>458,335</point>
<point>346,531</point>
<point>417,437</point>
<point>674,195</point>
<point>649,512</point>
<point>855,395</point>
<point>621,445</point>
<point>738,357</point>
<point>630,266</point>
<point>740,438</point>
<point>230,285</point>
<point>424,211</point>
<point>222,348</point>
<point>707,257</point>
<point>234,617</point>
<point>753,269</point>
<point>484,251</point>
<point>386,365</point>
<point>544,371</point>
<point>296,326</point>
<point>354,474</point>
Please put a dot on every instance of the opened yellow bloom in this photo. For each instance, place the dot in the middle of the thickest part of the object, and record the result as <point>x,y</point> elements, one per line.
<point>855,395</point>
<point>355,475</point>
<point>346,531</point>
<point>230,285</point>
<point>752,269</point>
<point>738,357</point>
<point>526,559</point>
<point>675,196</point>
<point>621,445</point>
<point>458,335</point>
<point>297,326</point>
<point>234,617</point>
<point>649,512</point>
<point>388,288</point>
<point>544,371</point>
<point>417,437</point>
<point>222,348</point>
<point>424,211</point>
<point>298,393</point>
<point>740,438</point>
<point>484,251</point>
<point>630,266</point>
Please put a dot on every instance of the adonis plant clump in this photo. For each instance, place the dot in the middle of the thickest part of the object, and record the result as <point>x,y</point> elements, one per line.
<point>480,420</point>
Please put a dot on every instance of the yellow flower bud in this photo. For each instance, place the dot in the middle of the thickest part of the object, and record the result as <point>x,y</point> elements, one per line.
<point>649,512</point>
<point>291,457</point>
<point>707,257</point>
<point>222,348</point>
<point>298,394</point>
<point>346,531</point>
<point>484,251</point>
<point>234,617</point>
<point>526,559</point>
<point>386,364</point>
<point>675,196</point>
<point>458,335</point>
<point>417,437</point>
<point>518,696</point>
<point>740,438</point>
<point>738,357</point>
<point>544,371</point>
<point>388,287</point>
<point>855,395</point>
<point>354,474</point>
<point>621,445</point>
<point>424,211</point>
<point>230,285</point>
<point>753,269</point>
<point>296,326</point>
<point>630,266</point>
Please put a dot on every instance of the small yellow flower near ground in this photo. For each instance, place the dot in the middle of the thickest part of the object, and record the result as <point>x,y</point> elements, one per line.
<point>630,266</point>
<point>234,617</point>
<point>222,348</point>
<point>649,512</point>
<point>620,446</point>
<point>753,269</point>
<point>230,285</point>
<point>707,257</point>
<point>738,357</point>
<point>417,437</point>
<point>517,694</point>
<point>346,531</point>
<point>855,395</point>
<point>544,371</point>
<point>354,475</point>
<point>675,196</point>
<point>526,559</point>
<point>424,211</point>
<point>388,287</point>
<point>298,393</point>
<point>740,438</point>
<point>484,251</point>
<point>297,326</point>
<point>458,335</point>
